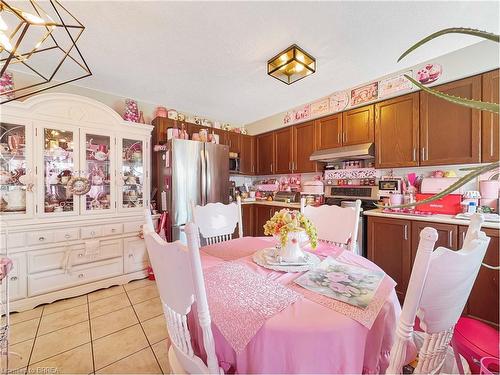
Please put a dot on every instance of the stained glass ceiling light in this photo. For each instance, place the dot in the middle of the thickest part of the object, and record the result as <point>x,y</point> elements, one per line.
<point>291,65</point>
<point>41,43</point>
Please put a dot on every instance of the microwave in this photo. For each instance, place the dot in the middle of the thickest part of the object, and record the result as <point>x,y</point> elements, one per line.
<point>234,165</point>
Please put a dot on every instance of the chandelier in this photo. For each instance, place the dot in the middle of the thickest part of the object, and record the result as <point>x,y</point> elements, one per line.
<point>291,65</point>
<point>41,43</point>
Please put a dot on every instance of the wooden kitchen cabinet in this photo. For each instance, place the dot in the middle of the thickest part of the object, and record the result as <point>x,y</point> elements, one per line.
<point>248,217</point>
<point>393,243</point>
<point>262,215</point>
<point>304,144</point>
<point>396,132</point>
<point>328,132</point>
<point>283,141</point>
<point>265,153</point>
<point>233,140</point>
<point>358,126</point>
<point>450,133</point>
<point>484,301</point>
<point>489,131</point>
<point>447,235</point>
<point>247,154</point>
<point>389,247</point>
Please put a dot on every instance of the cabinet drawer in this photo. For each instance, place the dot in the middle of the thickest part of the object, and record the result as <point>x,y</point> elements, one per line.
<point>66,235</point>
<point>112,229</point>
<point>134,226</point>
<point>40,238</point>
<point>12,240</point>
<point>66,257</point>
<point>54,280</point>
<point>91,232</point>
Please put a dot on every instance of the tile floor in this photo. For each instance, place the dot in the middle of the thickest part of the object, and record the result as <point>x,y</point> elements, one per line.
<point>118,330</point>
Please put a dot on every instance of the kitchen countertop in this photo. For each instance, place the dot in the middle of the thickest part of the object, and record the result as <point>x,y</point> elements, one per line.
<point>438,218</point>
<point>273,203</point>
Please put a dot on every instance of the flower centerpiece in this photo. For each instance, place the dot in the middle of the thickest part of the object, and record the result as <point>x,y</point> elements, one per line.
<point>291,227</point>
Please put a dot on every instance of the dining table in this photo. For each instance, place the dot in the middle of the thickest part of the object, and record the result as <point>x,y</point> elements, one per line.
<point>305,336</point>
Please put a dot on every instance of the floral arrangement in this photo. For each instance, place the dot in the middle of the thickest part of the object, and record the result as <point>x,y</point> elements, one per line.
<point>286,221</point>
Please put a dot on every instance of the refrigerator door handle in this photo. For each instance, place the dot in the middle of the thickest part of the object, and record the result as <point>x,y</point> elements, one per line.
<point>203,181</point>
<point>206,175</point>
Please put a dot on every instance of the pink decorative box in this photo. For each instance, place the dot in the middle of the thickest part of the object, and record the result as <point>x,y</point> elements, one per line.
<point>449,205</point>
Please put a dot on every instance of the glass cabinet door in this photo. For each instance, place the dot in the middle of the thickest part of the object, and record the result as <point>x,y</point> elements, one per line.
<point>58,168</point>
<point>132,188</point>
<point>98,168</point>
<point>14,169</point>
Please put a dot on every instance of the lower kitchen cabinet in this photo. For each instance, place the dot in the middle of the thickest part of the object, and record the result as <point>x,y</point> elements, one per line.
<point>483,301</point>
<point>389,247</point>
<point>393,243</point>
<point>248,216</point>
<point>447,235</point>
<point>262,214</point>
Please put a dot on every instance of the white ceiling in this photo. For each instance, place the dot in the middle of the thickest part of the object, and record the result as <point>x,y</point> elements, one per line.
<point>209,58</point>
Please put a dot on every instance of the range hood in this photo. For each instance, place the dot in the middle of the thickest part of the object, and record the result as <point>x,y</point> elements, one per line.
<point>363,151</point>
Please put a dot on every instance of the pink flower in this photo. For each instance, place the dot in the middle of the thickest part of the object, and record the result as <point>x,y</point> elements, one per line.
<point>339,288</point>
<point>337,276</point>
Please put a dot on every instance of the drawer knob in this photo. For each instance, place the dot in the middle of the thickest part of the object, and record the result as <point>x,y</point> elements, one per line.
<point>113,230</point>
<point>80,255</point>
<point>41,238</point>
<point>67,236</point>
<point>80,275</point>
<point>13,278</point>
<point>130,255</point>
<point>92,233</point>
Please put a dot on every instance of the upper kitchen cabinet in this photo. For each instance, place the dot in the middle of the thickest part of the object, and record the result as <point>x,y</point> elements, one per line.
<point>247,154</point>
<point>450,133</point>
<point>265,153</point>
<point>357,125</point>
<point>283,150</point>
<point>396,132</point>
<point>304,144</point>
<point>233,140</point>
<point>490,133</point>
<point>329,132</point>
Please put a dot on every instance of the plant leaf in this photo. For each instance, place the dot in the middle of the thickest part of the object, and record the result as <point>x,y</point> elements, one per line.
<point>452,30</point>
<point>461,182</point>
<point>474,104</point>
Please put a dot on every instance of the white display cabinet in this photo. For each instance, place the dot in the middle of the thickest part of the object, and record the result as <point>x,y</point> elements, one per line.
<point>74,183</point>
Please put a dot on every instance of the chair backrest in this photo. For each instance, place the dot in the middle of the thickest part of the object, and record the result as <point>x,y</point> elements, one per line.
<point>179,278</point>
<point>217,221</point>
<point>149,219</point>
<point>335,224</point>
<point>440,284</point>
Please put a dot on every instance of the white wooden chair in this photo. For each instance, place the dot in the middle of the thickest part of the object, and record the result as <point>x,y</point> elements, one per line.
<point>179,278</point>
<point>334,223</point>
<point>440,284</point>
<point>217,221</point>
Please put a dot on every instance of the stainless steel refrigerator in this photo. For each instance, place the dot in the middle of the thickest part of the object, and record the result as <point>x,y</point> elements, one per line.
<point>191,171</point>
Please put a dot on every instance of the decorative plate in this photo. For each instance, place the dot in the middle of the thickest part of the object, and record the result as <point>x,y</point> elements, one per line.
<point>78,185</point>
<point>262,258</point>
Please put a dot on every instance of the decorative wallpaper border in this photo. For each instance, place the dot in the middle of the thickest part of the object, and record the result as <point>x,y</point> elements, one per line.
<point>389,86</point>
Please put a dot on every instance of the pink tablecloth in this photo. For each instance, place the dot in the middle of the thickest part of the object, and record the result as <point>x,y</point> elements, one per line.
<point>305,337</point>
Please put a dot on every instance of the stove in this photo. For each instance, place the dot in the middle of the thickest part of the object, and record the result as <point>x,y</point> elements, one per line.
<point>343,195</point>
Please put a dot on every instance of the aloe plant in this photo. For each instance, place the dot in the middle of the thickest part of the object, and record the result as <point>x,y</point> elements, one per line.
<point>475,104</point>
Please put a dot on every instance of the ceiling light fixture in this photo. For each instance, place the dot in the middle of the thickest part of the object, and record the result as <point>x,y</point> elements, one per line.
<point>291,65</point>
<point>40,43</point>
